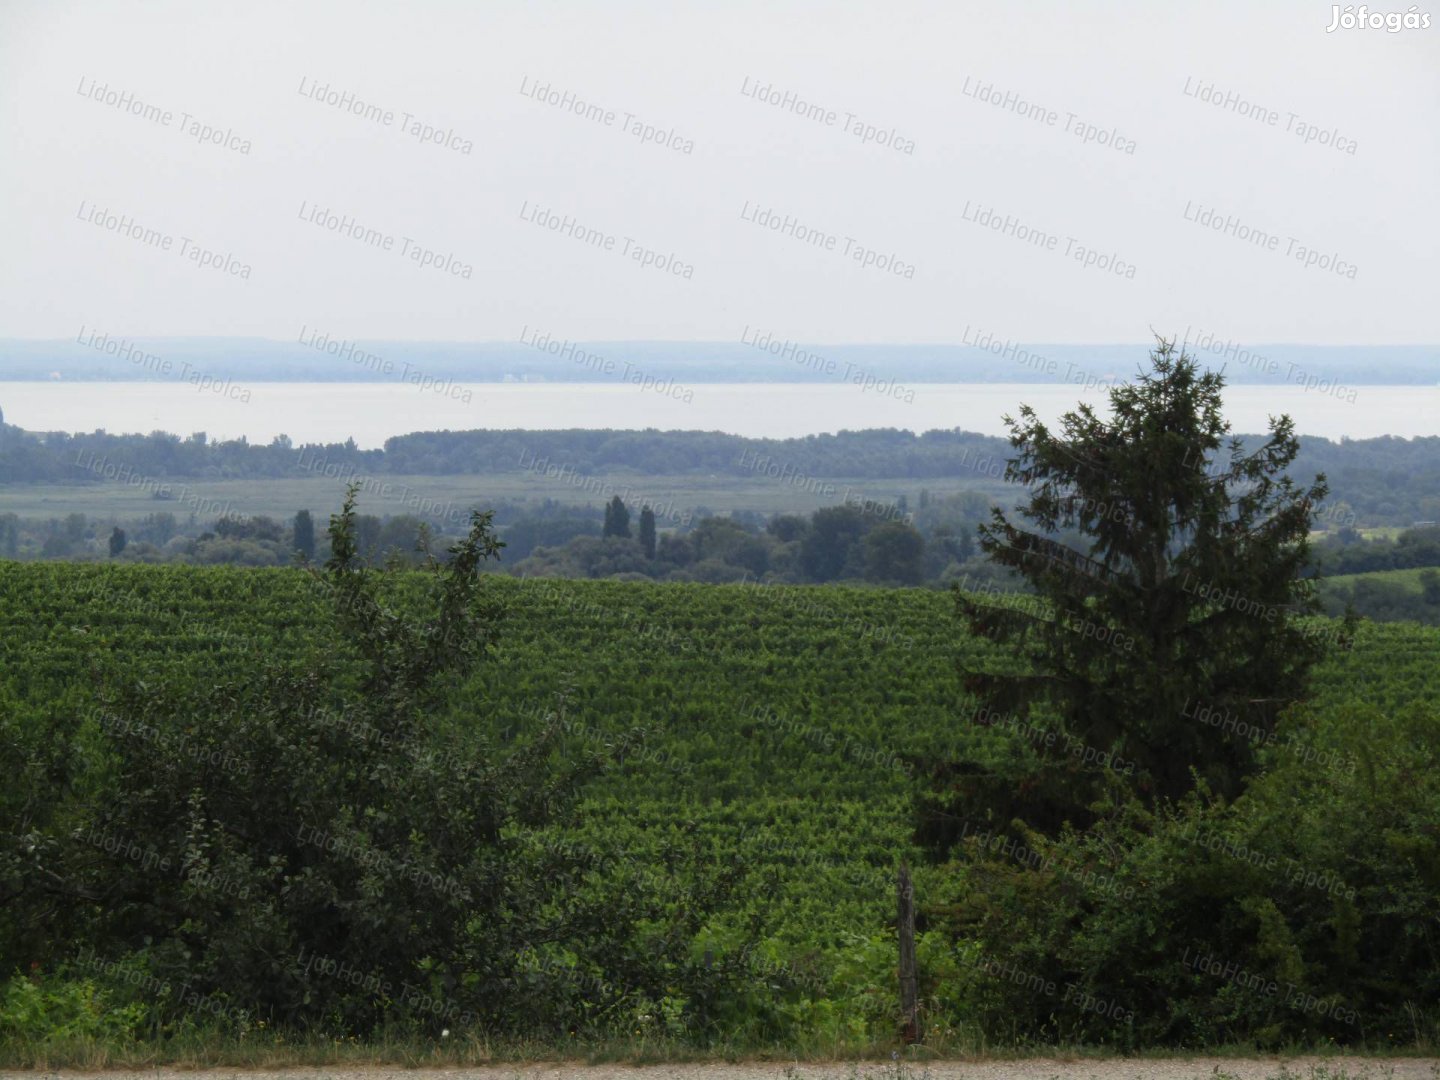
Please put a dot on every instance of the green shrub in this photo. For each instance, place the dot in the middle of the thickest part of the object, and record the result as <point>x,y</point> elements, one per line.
<point>1304,911</point>
<point>38,1010</point>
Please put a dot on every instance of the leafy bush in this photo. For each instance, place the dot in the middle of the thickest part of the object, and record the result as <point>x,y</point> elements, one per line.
<point>307,841</point>
<point>34,1009</point>
<point>303,839</point>
<point>1303,911</point>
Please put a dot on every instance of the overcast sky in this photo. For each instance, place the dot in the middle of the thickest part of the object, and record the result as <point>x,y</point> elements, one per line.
<point>1360,194</point>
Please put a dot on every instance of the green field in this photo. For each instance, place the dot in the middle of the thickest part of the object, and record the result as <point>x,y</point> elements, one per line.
<point>1408,578</point>
<point>738,688</point>
<point>450,497</point>
<point>776,719</point>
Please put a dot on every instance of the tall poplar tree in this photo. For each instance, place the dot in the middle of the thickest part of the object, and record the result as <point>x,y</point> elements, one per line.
<point>647,531</point>
<point>304,534</point>
<point>617,519</point>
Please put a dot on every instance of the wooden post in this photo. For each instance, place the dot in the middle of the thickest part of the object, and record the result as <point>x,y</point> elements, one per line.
<point>909,1003</point>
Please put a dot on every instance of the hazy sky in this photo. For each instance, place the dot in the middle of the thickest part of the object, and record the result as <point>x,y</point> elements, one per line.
<point>1121,73</point>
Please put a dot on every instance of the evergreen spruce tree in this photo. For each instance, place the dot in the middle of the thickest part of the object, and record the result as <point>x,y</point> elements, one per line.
<point>1167,640</point>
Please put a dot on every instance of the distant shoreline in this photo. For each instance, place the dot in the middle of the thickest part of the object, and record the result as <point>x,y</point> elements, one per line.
<point>371,412</point>
<point>94,355</point>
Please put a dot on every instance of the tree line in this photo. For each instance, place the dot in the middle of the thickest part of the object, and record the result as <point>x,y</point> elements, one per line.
<point>1381,481</point>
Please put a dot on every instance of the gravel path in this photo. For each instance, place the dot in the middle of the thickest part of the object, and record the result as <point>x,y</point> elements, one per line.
<point>1031,1069</point>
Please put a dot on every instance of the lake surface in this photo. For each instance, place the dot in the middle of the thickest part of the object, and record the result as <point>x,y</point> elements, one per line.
<point>374,412</point>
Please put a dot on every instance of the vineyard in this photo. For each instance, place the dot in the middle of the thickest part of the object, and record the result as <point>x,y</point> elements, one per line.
<point>770,728</point>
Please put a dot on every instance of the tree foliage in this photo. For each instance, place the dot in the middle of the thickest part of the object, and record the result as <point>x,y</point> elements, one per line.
<point>303,534</point>
<point>320,846</point>
<point>647,531</point>
<point>894,554</point>
<point>1181,601</point>
<point>617,519</point>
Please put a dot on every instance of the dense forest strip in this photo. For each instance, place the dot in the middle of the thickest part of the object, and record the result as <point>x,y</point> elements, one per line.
<point>1373,481</point>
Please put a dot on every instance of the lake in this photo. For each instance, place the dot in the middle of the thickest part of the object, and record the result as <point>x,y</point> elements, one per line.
<point>374,412</point>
